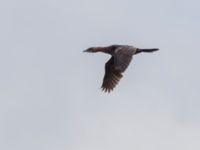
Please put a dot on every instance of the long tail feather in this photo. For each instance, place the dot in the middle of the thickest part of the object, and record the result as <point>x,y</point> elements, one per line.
<point>146,50</point>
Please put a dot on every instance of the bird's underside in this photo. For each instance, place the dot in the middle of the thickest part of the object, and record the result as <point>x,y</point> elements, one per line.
<point>121,56</point>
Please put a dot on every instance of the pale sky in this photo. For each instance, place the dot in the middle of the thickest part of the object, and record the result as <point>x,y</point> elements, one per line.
<point>50,96</point>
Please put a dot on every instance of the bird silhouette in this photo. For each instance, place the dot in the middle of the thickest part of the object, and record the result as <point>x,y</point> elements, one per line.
<point>118,63</point>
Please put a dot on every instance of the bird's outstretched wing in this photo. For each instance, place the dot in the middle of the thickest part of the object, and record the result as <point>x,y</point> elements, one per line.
<point>122,58</point>
<point>111,77</point>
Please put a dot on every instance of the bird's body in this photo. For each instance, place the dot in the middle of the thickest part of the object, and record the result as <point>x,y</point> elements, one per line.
<point>118,63</point>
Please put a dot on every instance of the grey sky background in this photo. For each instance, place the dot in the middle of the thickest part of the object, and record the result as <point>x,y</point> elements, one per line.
<point>50,97</point>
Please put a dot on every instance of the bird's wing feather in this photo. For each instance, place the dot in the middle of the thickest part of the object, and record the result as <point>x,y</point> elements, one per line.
<point>122,59</point>
<point>111,77</point>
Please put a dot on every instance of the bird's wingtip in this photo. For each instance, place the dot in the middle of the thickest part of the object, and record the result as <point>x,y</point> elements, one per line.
<point>106,90</point>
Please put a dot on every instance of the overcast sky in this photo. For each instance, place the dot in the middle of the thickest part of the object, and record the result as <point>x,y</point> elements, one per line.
<point>50,96</point>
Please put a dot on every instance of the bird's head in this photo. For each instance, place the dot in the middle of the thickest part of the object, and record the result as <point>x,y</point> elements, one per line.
<point>108,49</point>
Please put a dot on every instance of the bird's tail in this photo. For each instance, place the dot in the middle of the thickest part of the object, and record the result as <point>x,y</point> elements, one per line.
<point>146,50</point>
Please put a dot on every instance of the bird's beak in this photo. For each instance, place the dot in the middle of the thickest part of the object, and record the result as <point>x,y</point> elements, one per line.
<point>85,50</point>
<point>89,50</point>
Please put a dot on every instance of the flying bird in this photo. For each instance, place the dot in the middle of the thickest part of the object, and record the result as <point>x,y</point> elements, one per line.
<point>121,56</point>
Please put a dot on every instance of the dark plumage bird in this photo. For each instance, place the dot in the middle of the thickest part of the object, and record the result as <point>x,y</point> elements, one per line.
<point>118,63</point>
